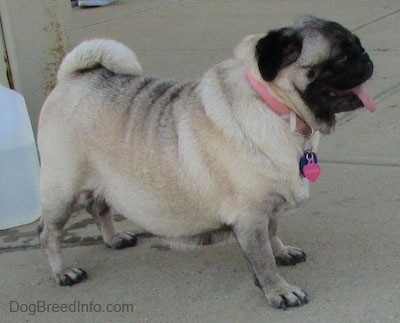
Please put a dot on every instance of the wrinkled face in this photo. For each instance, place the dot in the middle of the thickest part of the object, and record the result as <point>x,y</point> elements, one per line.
<point>324,62</point>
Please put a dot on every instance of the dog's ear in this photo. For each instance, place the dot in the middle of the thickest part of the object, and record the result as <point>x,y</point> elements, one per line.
<point>276,50</point>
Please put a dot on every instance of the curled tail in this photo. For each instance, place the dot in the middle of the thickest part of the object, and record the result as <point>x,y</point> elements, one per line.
<point>110,54</point>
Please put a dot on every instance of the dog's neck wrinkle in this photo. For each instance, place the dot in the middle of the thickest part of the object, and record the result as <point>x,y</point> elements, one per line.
<point>276,105</point>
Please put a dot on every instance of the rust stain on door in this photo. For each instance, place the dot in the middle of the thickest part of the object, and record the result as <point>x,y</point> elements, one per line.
<point>56,52</point>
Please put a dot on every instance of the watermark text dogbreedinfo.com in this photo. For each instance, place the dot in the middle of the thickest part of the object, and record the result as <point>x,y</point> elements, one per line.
<point>74,307</point>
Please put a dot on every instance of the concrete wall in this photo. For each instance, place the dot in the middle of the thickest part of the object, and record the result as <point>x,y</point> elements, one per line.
<point>36,36</point>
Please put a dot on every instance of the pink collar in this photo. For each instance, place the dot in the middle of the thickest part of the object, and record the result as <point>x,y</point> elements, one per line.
<point>275,105</point>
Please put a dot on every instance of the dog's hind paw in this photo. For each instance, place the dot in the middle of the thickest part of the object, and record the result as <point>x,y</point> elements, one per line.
<point>123,240</point>
<point>290,256</point>
<point>72,276</point>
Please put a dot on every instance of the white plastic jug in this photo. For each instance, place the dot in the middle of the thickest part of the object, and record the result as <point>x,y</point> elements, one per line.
<point>19,163</point>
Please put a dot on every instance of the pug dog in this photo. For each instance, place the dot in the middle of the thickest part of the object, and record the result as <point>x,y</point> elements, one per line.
<point>197,161</point>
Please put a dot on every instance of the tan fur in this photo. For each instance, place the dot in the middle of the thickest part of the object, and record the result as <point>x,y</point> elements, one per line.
<point>183,161</point>
<point>222,156</point>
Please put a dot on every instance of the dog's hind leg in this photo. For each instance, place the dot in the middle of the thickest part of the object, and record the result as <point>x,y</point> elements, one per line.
<point>55,214</point>
<point>102,214</point>
<point>284,255</point>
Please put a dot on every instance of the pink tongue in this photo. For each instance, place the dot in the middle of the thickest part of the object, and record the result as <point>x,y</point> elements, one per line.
<point>365,97</point>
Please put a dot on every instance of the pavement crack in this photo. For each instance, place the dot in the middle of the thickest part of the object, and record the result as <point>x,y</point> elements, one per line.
<point>387,93</point>
<point>375,20</point>
<point>374,163</point>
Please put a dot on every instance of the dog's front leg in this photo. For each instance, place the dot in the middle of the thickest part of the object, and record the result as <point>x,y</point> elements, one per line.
<point>284,255</point>
<point>251,232</point>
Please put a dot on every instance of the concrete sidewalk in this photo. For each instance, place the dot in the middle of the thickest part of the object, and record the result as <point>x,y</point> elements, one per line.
<point>349,228</point>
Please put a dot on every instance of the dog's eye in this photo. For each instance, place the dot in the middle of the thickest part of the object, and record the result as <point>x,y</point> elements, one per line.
<point>312,73</point>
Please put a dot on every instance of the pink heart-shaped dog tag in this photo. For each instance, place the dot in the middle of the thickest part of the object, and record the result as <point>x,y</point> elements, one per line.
<point>311,172</point>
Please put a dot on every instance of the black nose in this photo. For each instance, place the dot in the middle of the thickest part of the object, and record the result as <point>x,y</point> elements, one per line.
<point>365,57</point>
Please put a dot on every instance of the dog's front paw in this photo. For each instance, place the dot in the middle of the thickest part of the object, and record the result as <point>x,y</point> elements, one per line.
<point>291,297</point>
<point>123,240</point>
<point>71,277</point>
<point>290,256</point>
